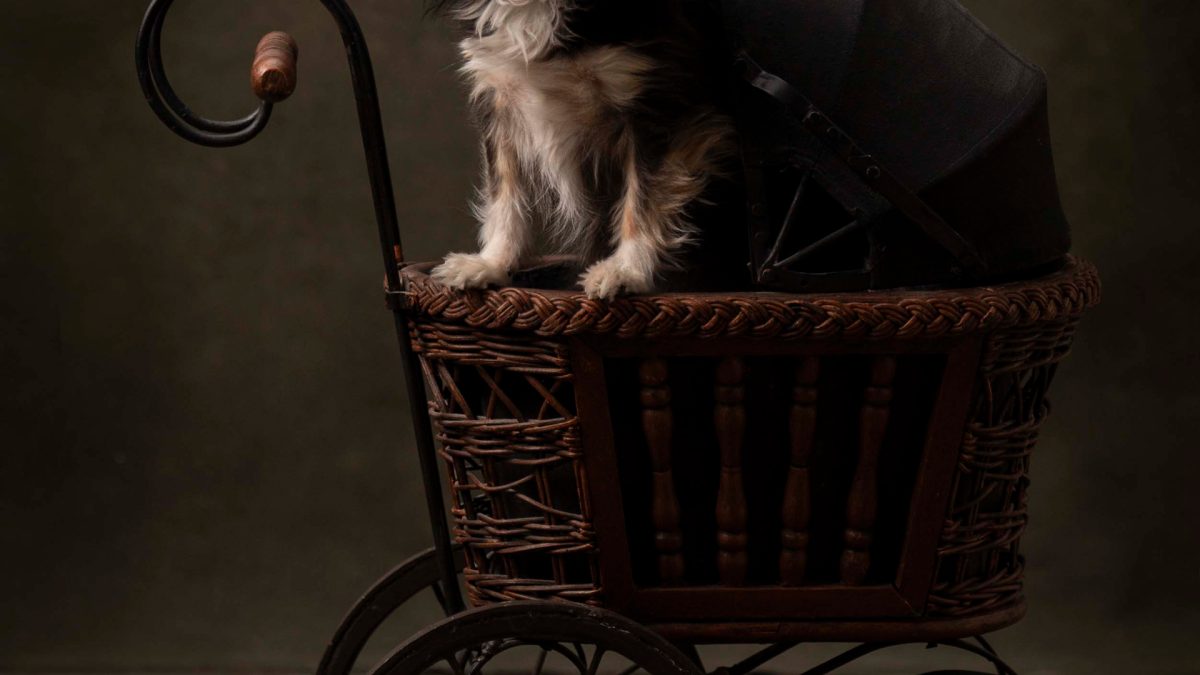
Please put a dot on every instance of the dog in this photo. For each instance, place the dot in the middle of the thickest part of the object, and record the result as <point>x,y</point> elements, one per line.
<point>602,122</point>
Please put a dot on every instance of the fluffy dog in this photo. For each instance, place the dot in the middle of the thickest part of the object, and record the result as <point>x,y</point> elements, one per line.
<point>601,122</point>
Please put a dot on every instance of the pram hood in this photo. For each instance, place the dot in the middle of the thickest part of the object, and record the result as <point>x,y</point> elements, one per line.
<point>925,91</point>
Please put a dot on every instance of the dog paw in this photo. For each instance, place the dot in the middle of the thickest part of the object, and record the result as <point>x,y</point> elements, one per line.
<point>609,278</point>
<point>471,270</point>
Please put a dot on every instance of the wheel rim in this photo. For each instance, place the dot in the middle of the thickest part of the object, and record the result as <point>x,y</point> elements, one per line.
<point>417,574</point>
<point>587,640</point>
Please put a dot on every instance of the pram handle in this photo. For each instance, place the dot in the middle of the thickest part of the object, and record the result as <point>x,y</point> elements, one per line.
<point>273,77</point>
<point>273,73</point>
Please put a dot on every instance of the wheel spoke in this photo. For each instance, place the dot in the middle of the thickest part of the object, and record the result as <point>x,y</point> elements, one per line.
<point>486,653</point>
<point>541,661</point>
<point>455,665</point>
<point>596,659</point>
<point>576,658</point>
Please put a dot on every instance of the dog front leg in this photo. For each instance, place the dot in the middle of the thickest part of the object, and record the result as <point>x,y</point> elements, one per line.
<point>643,235</point>
<point>650,221</point>
<point>504,233</point>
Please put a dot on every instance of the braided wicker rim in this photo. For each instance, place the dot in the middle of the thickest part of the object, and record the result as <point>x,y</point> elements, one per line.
<point>869,316</point>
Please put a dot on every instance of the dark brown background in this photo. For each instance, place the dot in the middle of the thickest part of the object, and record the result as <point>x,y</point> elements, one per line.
<point>205,450</point>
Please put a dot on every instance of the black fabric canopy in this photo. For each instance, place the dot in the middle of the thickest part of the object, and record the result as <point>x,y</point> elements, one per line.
<point>891,143</point>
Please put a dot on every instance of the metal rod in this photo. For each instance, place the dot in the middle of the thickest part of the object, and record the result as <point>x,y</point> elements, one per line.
<point>862,651</point>
<point>790,219</point>
<point>214,133</point>
<point>1002,668</point>
<point>759,659</point>
<point>423,429</point>
<point>831,238</point>
<point>846,658</point>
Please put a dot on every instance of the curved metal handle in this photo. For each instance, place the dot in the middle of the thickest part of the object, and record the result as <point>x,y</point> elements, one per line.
<point>276,56</point>
<point>274,79</point>
<point>273,73</point>
<point>166,103</point>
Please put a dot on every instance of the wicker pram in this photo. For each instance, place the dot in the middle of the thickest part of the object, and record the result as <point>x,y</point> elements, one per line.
<point>631,479</point>
<point>792,460</point>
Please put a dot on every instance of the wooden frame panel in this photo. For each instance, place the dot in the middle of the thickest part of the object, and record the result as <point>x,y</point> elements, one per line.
<point>905,597</point>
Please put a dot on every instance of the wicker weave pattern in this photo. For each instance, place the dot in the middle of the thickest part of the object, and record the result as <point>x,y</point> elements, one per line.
<point>504,411</point>
<point>979,563</point>
<point>926,314</point>
<point>504,406</point>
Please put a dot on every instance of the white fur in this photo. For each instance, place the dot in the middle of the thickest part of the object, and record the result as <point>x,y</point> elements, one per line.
<point>471,270</point>
<point>550,102</point>
<point>504,234</point>
<point>527,28</point>
<point>549,113</point>
<point>630,269</point>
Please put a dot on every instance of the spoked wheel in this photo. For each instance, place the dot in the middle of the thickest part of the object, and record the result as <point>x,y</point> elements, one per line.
<point>537,638</point>
<point>417,574</point>
<point>980,647</point>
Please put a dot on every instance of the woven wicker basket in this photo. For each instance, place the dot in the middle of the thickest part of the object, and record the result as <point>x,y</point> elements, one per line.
<point>748,466</point>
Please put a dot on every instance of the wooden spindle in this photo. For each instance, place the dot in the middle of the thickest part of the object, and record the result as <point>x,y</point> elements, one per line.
<point>730,417</point>
<point>797,499</point>
<point>657,423</point>
<point>864,499</point>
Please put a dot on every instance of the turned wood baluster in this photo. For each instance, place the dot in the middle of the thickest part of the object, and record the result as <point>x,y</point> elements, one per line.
<point>657,423</point>
<point>863,503</point>
<point>730,416</point>
<point>793,560</point>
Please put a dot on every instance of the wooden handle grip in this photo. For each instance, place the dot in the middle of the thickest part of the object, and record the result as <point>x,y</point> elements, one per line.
<point>273,74</point>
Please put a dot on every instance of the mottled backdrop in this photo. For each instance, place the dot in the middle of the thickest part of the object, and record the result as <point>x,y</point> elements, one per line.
<point>204,450</point>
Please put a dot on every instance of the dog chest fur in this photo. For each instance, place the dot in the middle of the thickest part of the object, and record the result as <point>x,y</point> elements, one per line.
<point>604,135</point>
<point>558,111</point>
